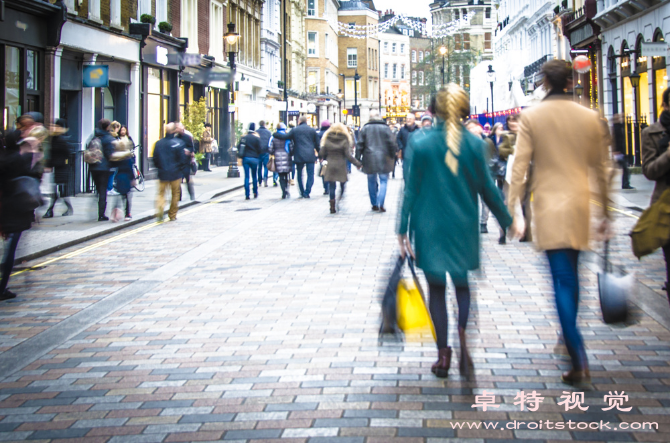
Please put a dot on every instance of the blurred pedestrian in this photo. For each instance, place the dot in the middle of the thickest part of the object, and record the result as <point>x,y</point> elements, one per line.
<point>206,147</point>
<point>487,129</point>
<point>283,153</point>
<point>306,147</point>
<point>24,124</point>
<point>376,150</point>
<point>170,154</point>
<point>505,150</point>
<point>335,151</point>
<point>265,136</point>
<point>619,149</point>
<point>123,159</point>
<point>325,125</point>
<point>475,128</point>
<point>402,139</point>
<point>59,162</point>
<point>100,170</point>
<point>114,128</point>
<point>447,172</point>
<point>291,126</point>
<point>353,146</point>
<point>561,195</point>
<point>125,137</point>
<point>189,159</point>
<point>426,121</point>
<point>656,164</point>
<point>250,159</point>
<point>20,170</point>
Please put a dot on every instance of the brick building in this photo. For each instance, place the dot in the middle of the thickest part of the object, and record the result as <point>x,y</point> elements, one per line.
<point>359,55</point>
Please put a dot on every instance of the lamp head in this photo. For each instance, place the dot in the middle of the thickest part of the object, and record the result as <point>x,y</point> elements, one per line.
<point>443,50</point>
<point>635,80</point>
<point>579,89</point>
<point>491,74</point>
<point>231,37</point>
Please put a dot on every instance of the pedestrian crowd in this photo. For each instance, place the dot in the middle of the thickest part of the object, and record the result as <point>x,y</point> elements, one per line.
<point>456,173</point>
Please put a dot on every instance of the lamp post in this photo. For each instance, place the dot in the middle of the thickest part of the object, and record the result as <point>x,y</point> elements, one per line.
<point>443,51</point>
<point>231,39</point>
<point>635,83</point>
<point>344,95</point>
<point>340,94</point>
<point>579,89</point>
<point>357,112</point>
<point>491,76</point>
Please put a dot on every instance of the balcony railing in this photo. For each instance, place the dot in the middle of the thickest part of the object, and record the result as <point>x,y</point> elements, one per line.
<point>535,66</point>
<point>590,10</point>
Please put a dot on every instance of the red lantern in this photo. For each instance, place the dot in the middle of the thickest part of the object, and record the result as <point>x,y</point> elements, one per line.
<point>582,64</point>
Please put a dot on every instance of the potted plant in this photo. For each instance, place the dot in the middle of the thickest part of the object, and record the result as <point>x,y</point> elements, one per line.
<point>564,3</point>
<point>280,84</point>
<point>148,18</point>
<point>557,9</point>
<point>165,27</point>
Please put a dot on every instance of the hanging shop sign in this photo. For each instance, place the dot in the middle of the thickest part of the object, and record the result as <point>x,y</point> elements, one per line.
<point>656,49</point>
<point>95,76</point>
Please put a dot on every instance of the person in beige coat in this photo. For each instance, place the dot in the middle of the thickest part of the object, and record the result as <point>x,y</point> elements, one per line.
<point>560,185</point>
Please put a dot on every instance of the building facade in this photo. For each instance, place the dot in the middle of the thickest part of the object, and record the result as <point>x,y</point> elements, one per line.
<point>422,64</point>
<point>395,68</point>
<point>628,30</point>
<point>359,55</point>
<point>322,60</point>
<point>271,56</point>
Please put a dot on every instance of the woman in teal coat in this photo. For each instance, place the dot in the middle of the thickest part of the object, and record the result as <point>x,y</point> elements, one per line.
<point>447,172</point>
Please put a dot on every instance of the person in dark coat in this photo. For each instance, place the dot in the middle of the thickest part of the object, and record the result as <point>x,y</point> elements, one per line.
<point>250,160</point>
<point>335,151</point>
<point>403,136</point>
<point>123,160</point>
<point>23,125</point>
<point>26,161</point>
<point>376,149</point>
<point>100,170</point>
<point>325,125</point>
<point>619,149</point>
<point>59,160</point>
<point>265,136</point>
<point>170,154</point>
<point>283,153</point>
<point>187,137</point>
<point>306,147</point>
<point>447,172</point>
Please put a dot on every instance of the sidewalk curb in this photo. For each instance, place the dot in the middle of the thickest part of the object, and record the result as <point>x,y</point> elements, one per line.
<point>119,227</point>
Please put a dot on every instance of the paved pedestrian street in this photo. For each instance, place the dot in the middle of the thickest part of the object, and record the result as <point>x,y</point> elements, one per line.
<point>257,321</point>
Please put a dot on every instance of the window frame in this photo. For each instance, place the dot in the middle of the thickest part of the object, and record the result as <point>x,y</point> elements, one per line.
<point>313,10</point>
<point>352,52</point>
<point>316,44</point>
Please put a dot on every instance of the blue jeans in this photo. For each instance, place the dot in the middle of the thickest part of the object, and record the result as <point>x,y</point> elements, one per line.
<point>563,264</point>
<point>8,259</point>
<point>306,189</point>
<point>110,181</point>
<point>263,167</point>
<point>250,164</point>
<point>377,190</point>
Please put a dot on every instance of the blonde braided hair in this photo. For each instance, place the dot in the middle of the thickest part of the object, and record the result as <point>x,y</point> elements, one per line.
<point>452,104</point>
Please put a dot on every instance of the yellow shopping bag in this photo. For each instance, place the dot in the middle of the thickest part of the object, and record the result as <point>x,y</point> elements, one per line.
<point>413,316</point>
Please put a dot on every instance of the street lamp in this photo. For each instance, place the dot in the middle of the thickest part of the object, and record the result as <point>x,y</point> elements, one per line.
<point>231,38</point>
<point>340,95</point>
<point>357,112</point>
<point>344,95</point>
<point>635,80</point>
<point>579,89</point>
<point>491,76</point>
<point>443,51</point>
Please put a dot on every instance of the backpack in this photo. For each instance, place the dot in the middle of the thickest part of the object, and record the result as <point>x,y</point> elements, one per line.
<point>93,152</point>
<point>241,148</point>
<point>26,195</point>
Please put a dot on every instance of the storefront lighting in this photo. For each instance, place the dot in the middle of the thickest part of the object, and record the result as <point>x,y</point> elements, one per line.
<point>624,64</point>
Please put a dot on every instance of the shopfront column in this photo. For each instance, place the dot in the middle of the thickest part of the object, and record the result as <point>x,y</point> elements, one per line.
<point>52,67</point>
<point>323,113</point>
<point>88,104</point>
<point>134,103</point>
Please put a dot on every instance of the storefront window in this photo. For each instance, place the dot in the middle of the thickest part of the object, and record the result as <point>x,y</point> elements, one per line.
<point>643,94</point>
<point>661,84</point>
<point>32,77</point>
<point>158,105</point>
<point>12,77</point>
<point>154,81</point>
<point>629,111</point>
<point>108,104</point>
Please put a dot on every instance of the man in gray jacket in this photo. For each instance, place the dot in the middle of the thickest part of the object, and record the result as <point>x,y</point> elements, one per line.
<point>376,149</point>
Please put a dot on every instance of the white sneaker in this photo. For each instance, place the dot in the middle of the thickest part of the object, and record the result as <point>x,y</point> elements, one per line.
<point>112,192</point>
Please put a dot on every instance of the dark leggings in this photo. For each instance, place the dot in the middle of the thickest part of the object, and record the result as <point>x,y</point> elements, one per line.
<point>438,306</point>
<point>666,256</point>
<point>283,182</point>
<point>100,178</point>
<point>8,259</point>
<point>331,189</point>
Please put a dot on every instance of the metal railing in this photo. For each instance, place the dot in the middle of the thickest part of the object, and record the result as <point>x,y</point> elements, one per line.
<point>535,66</point>
<point>634,130</point>
<point>590,9</point>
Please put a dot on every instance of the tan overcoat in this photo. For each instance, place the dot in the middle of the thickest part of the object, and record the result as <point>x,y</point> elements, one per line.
<point>565,141</point>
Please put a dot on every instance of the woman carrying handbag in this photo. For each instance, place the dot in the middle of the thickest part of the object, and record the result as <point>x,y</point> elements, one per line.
<point>335,151</point>
<point>440,213</point>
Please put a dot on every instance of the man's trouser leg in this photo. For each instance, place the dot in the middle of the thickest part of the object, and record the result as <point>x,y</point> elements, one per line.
<point>301,187</point>
<point>175,188</point>
<point>381,195</point>
<point>310,178</point>
<point>373,187</point>
<point>160,199</point>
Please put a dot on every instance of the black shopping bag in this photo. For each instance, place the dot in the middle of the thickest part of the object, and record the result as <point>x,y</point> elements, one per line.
<point>614,292</point>
<point>389,323</point>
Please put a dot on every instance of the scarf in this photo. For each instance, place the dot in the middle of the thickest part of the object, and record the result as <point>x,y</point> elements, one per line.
<point>287,144</point>
<point>665,120</point>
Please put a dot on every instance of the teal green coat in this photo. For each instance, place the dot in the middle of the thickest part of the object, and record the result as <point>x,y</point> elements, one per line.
<point>441,210</point>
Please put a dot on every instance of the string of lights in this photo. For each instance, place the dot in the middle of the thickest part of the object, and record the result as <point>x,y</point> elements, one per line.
<point>373,30</point>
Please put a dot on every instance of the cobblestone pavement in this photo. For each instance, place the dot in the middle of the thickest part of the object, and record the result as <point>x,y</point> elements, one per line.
<point>256,321</point>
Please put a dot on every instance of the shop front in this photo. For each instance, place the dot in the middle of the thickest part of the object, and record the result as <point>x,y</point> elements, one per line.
<point>27,29</point>
<point>83,100</point>
<point>159,92</point>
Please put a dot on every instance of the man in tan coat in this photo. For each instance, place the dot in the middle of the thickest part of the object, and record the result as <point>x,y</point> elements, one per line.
<point>564,140</point>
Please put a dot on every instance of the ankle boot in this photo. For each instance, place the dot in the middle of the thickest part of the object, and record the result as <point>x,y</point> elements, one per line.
<point>443,363</point>
<point>465,365</point>
<point>332,206</point>
<point>49,213</point>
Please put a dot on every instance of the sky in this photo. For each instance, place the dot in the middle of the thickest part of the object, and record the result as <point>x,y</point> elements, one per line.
<point>412,8</point>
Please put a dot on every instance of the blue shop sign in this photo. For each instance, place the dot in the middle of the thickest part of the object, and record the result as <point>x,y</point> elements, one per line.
<point>96,76</point>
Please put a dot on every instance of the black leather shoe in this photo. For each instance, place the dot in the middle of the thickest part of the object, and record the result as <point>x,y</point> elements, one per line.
<point>483,229</point>
<point>7,295</point>
<point>48,214</point>
<point>103,218</point>
<point>375,208</point>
